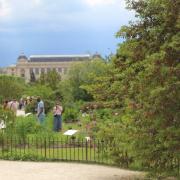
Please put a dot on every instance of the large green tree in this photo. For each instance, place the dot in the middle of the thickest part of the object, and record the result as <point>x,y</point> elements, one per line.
<point>11,87</point>
<point>80,75</point>
<point>145,82</point>
<point>51,79</point>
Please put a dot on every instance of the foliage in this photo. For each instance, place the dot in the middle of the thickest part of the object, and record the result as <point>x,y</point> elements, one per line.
<point>32,77</point>
<point>8,117</point>
<point>70,115</point>
<point>46,94</point>
<point>48,105</point>
<point>31,107</point>
<point>39,90</point>
<point>30,156</point>
<point>11,84</point>
<point>79,75</point>
<point>25,126</point>
<point>51,79</point>
<point>136,93</point>
<point>144,83</point>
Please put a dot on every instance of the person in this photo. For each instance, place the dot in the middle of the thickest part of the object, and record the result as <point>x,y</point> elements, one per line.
<point>57,112</point>
<point>5,104</point>
<point>21,103</point>
<point>40,110</point>
<point>13,105</point>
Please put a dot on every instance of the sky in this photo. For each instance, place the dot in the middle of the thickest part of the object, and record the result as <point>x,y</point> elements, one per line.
<point>36,27</point>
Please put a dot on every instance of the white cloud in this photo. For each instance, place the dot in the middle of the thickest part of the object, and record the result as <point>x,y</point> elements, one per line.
<point>13,8</point>
<point>61,15</point>
<point>93,3</point>
<point>37,2</point>
<point>5,8</point>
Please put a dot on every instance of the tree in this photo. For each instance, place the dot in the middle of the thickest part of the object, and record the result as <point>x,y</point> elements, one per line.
<point>51,79</point>
<point>11,87</point>
<point>32,77</point>
<point>82,74</point>
<point>39,90</point>
<point>145,82</point>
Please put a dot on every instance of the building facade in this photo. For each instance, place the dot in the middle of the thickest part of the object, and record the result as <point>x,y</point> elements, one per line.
<point>37,64</point>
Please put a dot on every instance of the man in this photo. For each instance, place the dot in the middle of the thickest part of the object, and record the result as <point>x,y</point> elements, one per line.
<point>40,110</point>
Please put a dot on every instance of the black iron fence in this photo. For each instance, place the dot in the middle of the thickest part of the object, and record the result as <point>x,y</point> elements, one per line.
<point>94,151</point>
<point>70,149</point>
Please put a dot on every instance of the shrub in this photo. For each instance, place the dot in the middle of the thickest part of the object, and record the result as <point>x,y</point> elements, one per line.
<point>31,107</point>
<point>9,118</point>
<point>48,105</point>
<point>70,115</point>
<point>25,126</point>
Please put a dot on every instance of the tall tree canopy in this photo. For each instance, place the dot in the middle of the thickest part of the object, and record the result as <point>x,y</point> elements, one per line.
<point>145,81</point>
<point>11,87</point>
<point>80,75</point>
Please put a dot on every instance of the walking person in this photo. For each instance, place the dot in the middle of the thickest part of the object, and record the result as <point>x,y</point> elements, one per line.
<point>40,110</point>
<point>57,112</point>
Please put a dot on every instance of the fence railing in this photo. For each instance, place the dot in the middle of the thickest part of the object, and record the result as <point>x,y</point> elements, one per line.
<point>70,149</point>
<point>94,151</point>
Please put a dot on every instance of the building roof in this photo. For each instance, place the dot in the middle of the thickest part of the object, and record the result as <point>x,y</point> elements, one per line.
<point>58,58</point>
<point>22,56</point>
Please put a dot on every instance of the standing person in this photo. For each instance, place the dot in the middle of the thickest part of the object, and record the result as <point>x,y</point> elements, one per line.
<point>57,112</point>
<point>5,104</point>
<point>40,110</point>
<point>21,103</point>
<point>13,106</point>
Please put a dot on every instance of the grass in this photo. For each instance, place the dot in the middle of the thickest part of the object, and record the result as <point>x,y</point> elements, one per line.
<point>88,154</point>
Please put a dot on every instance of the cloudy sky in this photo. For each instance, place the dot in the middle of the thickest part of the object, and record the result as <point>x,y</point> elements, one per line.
<point>59,27</point>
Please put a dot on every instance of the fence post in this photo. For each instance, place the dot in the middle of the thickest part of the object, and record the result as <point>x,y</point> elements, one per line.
<point>86,150</point>
<point>3,147</point>
<point>178,167</point>
<point>45,148</point>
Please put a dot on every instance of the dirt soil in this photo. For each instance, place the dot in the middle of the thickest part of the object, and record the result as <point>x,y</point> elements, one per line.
<point>16,170</point>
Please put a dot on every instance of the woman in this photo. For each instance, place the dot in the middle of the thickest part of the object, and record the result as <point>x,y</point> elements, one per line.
<point>5,105</point>
<point>57,112</point>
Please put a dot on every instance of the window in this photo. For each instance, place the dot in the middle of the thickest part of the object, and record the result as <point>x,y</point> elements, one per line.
<point>48,69</point>
<point>37,71</point>
<point>31,70</point>
<point>60,70</point>
<point>42,70</point>
<point>65,70</point>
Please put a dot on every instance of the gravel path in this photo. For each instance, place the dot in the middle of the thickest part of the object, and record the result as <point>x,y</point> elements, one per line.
<point>11,170</point>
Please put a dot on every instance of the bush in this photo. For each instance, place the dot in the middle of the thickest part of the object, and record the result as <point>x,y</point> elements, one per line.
<point>31,108</point>
<point>48,105</point>
<point>25,126</point>
<point>70,115</point>
<point>8,117</point>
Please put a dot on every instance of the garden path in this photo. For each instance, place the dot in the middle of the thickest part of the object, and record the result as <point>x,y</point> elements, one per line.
<point>11,170</point>
<point>20,113</point>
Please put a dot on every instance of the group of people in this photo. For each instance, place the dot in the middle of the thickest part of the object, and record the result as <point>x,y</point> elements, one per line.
<point>57,114</point>
<point>14,105</point>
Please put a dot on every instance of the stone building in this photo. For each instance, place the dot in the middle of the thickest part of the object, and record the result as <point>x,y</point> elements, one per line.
<point>37,64</point>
